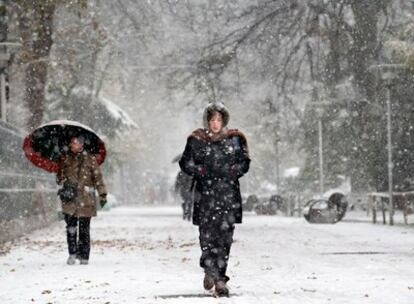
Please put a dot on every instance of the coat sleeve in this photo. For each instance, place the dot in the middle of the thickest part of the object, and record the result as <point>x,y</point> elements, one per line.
<point>59,175</point>
<point>187,159</point>
<point>98,178</point>
<point>242,164</point>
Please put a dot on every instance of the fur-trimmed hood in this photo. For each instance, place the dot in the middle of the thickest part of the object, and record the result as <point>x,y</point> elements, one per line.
<point>216,107</point>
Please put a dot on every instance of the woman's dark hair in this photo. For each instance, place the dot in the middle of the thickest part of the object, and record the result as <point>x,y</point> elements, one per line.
<point>211,114</point>
<point>212,109</point>
<point>80,139</point>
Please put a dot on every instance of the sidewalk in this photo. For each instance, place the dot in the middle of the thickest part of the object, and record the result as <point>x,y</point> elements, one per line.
<point>149,255</point>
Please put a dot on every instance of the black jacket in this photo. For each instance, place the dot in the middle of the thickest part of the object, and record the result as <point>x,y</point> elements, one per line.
<point>216,164</point>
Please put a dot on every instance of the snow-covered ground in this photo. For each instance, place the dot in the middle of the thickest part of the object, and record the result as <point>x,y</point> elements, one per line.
<point>149,255</point>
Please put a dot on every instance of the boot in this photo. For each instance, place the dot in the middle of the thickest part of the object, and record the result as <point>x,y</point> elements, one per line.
<point>221,289</point>
<point>84,261</point>
<point>71,259</point>
<point>208,282</point>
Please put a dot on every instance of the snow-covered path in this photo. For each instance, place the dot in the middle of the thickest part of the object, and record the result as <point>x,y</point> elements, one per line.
<point>149,255</point>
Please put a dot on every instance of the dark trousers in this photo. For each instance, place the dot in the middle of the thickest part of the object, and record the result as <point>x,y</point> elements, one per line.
<point>80,246</point>
<point>216,238</point>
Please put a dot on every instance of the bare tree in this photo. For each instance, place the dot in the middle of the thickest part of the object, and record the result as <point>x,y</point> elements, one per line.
<point>304,49</point>
<point>36,31</point>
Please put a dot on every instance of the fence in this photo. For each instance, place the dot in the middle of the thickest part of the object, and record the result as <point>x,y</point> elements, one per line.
<point>380,201</point>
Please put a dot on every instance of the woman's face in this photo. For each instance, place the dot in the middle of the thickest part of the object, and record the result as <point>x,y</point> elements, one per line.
<point>75,145</point>
<point>215,124</point>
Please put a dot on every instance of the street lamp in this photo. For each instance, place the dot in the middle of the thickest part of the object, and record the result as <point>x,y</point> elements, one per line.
<point>321,175</point>
<point>388,73</point>
<point>319,111</point>
<point>274,122</point>
<point>277,140</point>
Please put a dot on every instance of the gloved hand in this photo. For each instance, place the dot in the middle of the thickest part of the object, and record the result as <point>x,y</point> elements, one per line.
<point>102,200</point>
<point>202,171</point>
<point>58,180</point>
<point>233,172</point>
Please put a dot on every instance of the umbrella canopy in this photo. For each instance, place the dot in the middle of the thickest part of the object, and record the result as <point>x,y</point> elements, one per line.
<point>46,144</point>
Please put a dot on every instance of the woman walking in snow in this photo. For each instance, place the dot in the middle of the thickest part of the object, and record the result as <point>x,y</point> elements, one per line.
<point>80,174</point>
<point>216,157</point>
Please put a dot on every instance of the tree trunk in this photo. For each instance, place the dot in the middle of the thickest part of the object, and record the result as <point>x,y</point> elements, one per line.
<point>362,55</point>
<point>3,21</point>
<point>36,20</point>
<point>35,80</point>
<point>3,61</point>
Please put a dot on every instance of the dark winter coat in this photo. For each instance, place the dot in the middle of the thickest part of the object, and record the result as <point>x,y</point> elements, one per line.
<point>90,177</point>
<point>216,163</point>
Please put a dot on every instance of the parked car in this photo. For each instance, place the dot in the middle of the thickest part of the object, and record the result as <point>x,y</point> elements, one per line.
<point>266,208</point>
<point>326,211</point>
<point>279,202</point>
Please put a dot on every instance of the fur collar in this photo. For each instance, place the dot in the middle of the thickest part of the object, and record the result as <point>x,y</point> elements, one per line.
<point>206,136</point>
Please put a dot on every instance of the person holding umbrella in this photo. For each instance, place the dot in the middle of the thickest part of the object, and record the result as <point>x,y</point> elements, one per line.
<point>74,152</point>
<point>80,175</point>
<point>216,157</point>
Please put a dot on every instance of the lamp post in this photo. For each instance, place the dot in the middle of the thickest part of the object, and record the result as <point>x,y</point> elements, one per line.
<point>388,73</point>
<point>319,111</point>
<point>277,140</point>
<point>274,122</point>
<point>320,140</point>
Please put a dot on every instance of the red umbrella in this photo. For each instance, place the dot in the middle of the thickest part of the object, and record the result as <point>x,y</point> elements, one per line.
<point>46,144</point>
